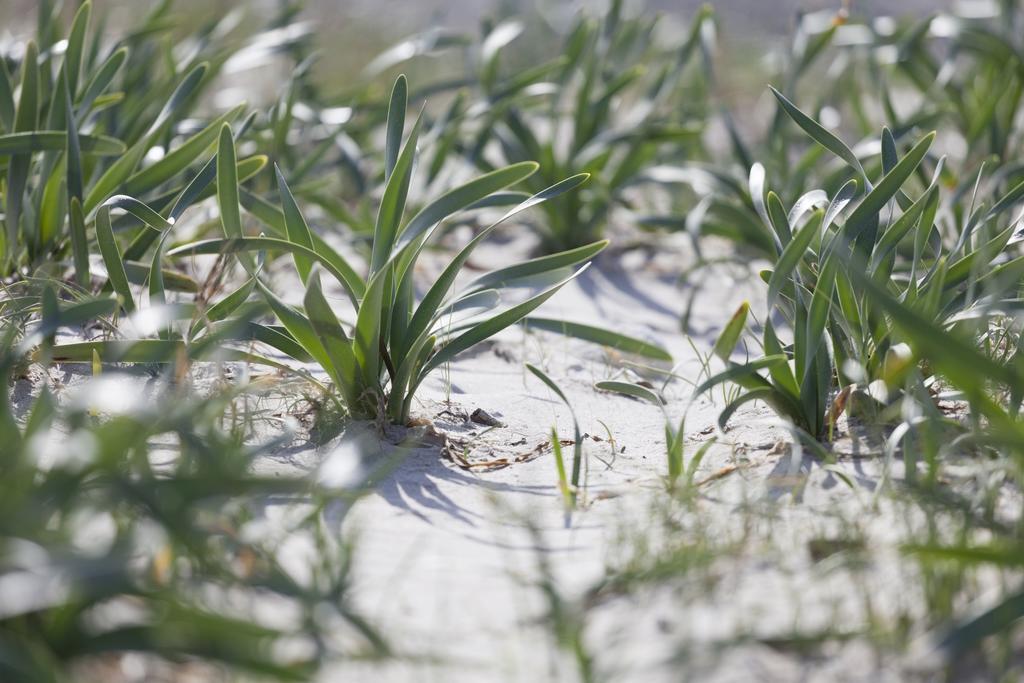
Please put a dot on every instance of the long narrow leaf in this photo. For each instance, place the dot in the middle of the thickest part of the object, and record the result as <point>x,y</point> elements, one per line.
<point>491,326</point>
<point>822,136</point>
<point>599,335</point>
<point>295,224</point>
<point>112,259</point>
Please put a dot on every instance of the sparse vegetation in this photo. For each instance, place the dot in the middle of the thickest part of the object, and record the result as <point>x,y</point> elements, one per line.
<point>208,309</point>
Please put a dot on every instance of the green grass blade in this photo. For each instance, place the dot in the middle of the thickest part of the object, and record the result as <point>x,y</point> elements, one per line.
<point>956,358</point>
<point>198,189</point>
<point>230,303</point>
<point>445,281</point>
<point>180,158</point>
<point>818,313</point>
<point>791,257</point>
<point>79,242</point>
<point>464,196</point>
<point>890,157</point>
<point>503,277</point>
<point>822,136</point>
<point>755,185</point>
<point>99,82</point>
<point>778,219</point>
<point>736,373</point>
<point>120,351</point>
<point>698,457</point>
<point>174,280</point>
<point>6,98</point>
<point>298,327</point>
<point>397,107</point>
<point>563,481</point>
<point>74,315</point>
<point>432,301</point>
<point>730,336</point>
<point>598,335</point>
<point>181,96</point>
<point>577,451</point>
<point>27,116</point>
<point>112,259</point>
<point>337,344</point>
<point>758,394</point>
<point>75,46</point>
<point>250,244</point>
<point>632,390</point>
<point>114,176</point>
<point>154,351</point>
<point>73,153</point>
<point>141,211</point>
<point>227,184</point>
<point>866,213</point>
<point>295,225</point>
<point>900,228</point>
<point>392,204</point>
<point>275,337</point>
<point>156,276</point>
<point>25,120</point>
<point>840,201</point>
<point>805,205</point>
<point>54,140</point>
<point>122,169</point>
<point>781,373</point>
<point>491,326</point>
<point>368,330</point>
<point>274,219</point>
<point>543,377</point>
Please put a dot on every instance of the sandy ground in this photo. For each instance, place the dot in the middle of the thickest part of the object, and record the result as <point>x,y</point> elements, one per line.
<point>779,568</point>
<point>461,565</point>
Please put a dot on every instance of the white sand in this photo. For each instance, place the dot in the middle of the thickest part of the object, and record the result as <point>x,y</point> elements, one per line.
<point>449,569</point>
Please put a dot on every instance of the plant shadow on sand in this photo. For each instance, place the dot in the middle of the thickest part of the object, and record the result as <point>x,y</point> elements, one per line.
<point>792,473</point>
<point>607,282</point>
<point>415,480</point>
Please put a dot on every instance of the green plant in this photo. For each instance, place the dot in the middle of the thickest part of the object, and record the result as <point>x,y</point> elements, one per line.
<point>840,337</point>
<point>613,88</point>
<point>108,547</point>
<point>969,69</point>
<point>710,193</point>
<point>674,436</point>
<point>606,105</point>
<point>569,486</point>
<point>159,329</point>
<point>394,342</point>
<point>839,68</point>
<point>603,337</point>
<point>350,199</point>
<point>893,292</point>
<point>72,139</point>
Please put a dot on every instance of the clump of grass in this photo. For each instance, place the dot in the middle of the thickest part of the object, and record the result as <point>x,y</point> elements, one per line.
<point>905,295</point>
<point>83,129</point>
<point>395,342</point>
<point>831,264</point>
<point>377,365</point>
<point>130,525</point>
<point>606,105</point>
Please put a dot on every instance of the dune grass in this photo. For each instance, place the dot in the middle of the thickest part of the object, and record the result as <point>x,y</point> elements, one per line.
<point>151,224</point>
